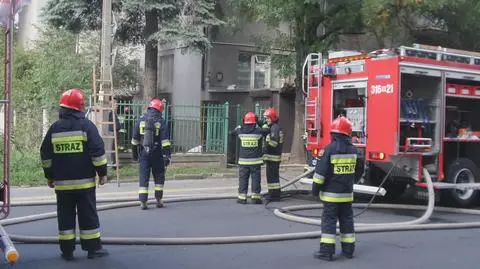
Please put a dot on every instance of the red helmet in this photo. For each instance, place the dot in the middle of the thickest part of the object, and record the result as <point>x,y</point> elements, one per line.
<point>341,125</point>
<point>73,99</point>
<point>271,113</point>
<point>157,104</point>
<point>250,118</point>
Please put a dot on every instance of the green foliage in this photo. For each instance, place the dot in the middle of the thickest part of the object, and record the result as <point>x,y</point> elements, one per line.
<point>315,26</point>
<point>39,75</point>
<point>181,21</point>
<point>458,22</point>
<point>186,29</point>
<point>72,15</point>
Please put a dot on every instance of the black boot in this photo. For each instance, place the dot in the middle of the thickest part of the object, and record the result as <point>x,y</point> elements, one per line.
<point>159,203</point>
<point>143,205</point>
<point>323,256</point>
<point>348,249</point>
<point>97,253</point>
<point>68,256</point>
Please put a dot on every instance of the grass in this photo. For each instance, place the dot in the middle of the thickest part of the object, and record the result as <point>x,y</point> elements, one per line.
<point>26,170</point>
<point>131,170</point>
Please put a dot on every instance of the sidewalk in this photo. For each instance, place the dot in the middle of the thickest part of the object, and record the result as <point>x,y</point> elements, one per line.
<point>221,185</point>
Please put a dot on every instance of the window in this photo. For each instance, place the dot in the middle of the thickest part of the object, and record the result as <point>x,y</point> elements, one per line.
<point>350,102</point>
<point>253,71</point>
<point>165,70</point>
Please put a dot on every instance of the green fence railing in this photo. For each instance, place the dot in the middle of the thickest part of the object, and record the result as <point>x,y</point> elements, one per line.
<point>200,129</point>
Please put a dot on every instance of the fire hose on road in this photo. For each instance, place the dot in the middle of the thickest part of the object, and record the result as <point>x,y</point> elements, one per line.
<point>416,224</point>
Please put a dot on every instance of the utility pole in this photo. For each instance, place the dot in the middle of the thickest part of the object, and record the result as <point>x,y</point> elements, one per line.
<point>106,51</point>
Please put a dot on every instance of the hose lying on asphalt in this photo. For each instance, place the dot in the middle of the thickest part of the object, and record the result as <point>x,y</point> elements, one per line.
<point>362,228</point>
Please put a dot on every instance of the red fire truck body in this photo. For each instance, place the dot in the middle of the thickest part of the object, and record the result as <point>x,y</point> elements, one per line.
<point>411,107</point>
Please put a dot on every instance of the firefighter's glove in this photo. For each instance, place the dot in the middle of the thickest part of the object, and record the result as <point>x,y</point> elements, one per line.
<point>166,160</point>
<point>316,188</point>
<point>135,153</point>
<point>102,180</point>
<point>51,183</point>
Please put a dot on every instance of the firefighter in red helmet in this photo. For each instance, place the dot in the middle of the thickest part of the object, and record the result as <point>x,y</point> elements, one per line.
<point>273,153</point>
<point>72,154</point>
<point>335,173</point>
<point>250,158</point>
<point>152,147</point>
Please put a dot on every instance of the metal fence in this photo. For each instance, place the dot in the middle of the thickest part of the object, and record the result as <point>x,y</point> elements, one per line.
<point>200,129</point>
<point>193,129</point>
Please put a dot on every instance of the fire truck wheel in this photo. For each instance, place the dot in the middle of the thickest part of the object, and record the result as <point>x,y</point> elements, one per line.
<point>462,171</point>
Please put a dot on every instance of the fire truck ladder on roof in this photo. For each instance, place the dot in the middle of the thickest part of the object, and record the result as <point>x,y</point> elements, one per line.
<point>104,105</point>
<point>441,54</point>
<point>312,71</point>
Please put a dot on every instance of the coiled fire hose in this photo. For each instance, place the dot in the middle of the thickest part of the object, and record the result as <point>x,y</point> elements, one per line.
<point>416,224</point>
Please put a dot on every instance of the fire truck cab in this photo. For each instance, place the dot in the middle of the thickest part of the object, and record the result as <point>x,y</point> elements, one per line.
<point>412,107</point>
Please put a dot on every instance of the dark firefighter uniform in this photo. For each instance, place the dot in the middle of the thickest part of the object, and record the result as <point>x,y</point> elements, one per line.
<point>333,181</point>
<point>72,154</point>
<point>157,158</point>
<point>250,157</point>
<point>273,154</point>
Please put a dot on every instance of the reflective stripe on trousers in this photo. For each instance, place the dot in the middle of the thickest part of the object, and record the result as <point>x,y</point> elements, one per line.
<point>89,234</point>
<point>347,238</point>
<point>328,239</point>
<point>336,197</point>
<point>74,184</point>
<point>250,161</point>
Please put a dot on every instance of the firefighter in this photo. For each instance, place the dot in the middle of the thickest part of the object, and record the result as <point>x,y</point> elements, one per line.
<point>335,172</point>
<point>72,154</point>
<point>273,153</point>
<point>250,159</point>
<point>151,146</point>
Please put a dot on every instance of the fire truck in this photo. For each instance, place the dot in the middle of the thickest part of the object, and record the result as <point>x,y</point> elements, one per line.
<point>412,107</point>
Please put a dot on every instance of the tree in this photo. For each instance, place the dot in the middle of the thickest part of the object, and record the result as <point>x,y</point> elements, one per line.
<point>40,74</point>
<point>316,25</point>
<point>180,22</point>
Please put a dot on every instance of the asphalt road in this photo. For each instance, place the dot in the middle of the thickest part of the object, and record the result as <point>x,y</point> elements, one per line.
<point>425,249</point>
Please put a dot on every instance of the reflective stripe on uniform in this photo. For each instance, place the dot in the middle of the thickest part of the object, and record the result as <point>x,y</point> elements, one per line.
<point>99,161</point>
<point>242,196</point>
<point>166,143</point>
<point>319,179</point>
<point>68,142</point>
<point>47,163</point>
<point>347,238</point>
<point>135,142</point>
<point>159,187</point>
<point>327,239</point>
<point>69,136</point>
<point>256,196</point>
<point>271,142</point>
<point>89,234</point>
<point>343,158</point>
<point>74,184</point>
<point>249,140</point>
<point>66,235</point>
<point>273,186</point>
<point>273,158</point>
<point>343,164</point>
<point>250,161</point>
<point>336,197</point>
<point>143,190</point>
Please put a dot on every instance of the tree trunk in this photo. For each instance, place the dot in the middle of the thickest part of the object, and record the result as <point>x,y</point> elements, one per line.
<point>298,147</point>
<point>151,56</point>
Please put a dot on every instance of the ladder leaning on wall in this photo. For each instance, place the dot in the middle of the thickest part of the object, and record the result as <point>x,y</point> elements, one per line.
<point>103,105</point>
